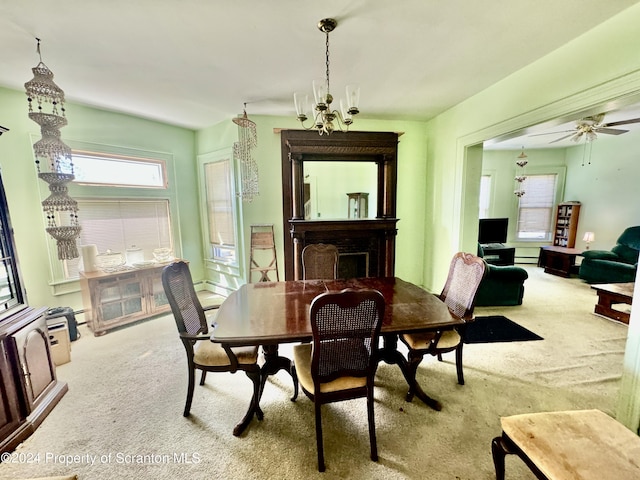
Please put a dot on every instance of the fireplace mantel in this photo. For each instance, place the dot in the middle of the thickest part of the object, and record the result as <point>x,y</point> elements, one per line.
<point>369,242</point>
<point>372,241</point>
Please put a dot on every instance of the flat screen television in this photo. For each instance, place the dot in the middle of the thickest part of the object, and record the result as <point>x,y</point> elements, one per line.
<point>492,230</point>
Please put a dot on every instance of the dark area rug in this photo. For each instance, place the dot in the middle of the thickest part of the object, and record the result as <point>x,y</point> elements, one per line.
<point>496,328</point>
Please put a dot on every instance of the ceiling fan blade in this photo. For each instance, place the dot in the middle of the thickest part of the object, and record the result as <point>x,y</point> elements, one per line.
<point>562,138</point>
<point>622,122</point>
<point>611,131</point>
<point>596,119</point>
<point>550,133</point>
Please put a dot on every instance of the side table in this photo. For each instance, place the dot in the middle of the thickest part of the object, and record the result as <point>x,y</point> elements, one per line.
<point>498,254</point>
<point>558,260</point>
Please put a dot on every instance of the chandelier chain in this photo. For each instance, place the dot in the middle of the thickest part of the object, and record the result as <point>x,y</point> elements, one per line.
<point>327,62</point>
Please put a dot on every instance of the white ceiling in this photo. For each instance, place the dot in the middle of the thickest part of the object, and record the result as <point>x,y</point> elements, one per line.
<point>193,63</point>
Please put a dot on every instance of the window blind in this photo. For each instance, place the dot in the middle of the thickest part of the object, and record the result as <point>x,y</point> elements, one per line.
<point>536,207</point>
<point>219,203</point>
<point>118,224</point>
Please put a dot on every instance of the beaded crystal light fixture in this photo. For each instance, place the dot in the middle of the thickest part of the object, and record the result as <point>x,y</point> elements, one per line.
<point>521,162</point>
<point>53,159</point>
<point>247,140</point>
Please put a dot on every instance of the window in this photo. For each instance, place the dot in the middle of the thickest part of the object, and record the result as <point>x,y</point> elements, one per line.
<point>218,193</point>
<point>535,211</point>
<point>119,224</point>
<point>118,170</point>
<point>485,196</point>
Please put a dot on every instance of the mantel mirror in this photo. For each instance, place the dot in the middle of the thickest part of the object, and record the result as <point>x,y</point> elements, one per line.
<point>318,173</point>
<point>335,190</point>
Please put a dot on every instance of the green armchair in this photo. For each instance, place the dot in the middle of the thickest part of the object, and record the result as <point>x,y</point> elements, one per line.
<point>502,286</point>
<point>617,265</point>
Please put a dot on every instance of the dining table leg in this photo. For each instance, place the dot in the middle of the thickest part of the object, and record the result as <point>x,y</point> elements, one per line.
<point>254,407</point>
<point>273,363</point>
<point>389,354</point>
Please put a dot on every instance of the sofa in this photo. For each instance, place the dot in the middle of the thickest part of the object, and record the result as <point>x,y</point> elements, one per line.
<point>617,265</point>
<point>502,286</point>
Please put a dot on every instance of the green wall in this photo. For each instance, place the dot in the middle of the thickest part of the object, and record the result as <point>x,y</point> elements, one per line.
<point>607,187</point>
<point>105,129</point>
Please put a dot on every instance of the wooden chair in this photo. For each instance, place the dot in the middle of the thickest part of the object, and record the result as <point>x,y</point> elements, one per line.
<point>341,362</point>
<point>579,444</point>
<point>320,261</point>
<point>465,274</point>
<point>202,353</point>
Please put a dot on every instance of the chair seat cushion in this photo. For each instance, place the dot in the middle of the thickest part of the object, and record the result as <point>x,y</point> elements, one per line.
<point>212,354</point>
<point>302,361</point>
<point>64,477</point>
<point>582,444</point>
<point>422,340</point>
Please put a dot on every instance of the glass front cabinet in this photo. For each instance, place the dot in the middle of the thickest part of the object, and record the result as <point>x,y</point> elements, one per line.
<point>114,299</point>
<point>29,389</point>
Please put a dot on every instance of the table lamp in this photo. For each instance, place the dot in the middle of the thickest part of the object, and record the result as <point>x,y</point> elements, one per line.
<point>589,237</point>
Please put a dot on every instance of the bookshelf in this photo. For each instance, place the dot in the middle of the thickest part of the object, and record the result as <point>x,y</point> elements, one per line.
<point>566,225</point>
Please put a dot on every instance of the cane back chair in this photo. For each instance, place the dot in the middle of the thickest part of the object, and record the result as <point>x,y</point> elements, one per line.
<point>341,362</point>
<point>320,262</point>
<point>202,353</point>
<point>466,271</point>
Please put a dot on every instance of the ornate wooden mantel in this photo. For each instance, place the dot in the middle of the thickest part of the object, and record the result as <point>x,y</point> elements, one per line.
<point>373,238</point>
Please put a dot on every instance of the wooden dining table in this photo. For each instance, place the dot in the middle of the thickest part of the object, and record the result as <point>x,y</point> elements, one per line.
<point>268,314</point>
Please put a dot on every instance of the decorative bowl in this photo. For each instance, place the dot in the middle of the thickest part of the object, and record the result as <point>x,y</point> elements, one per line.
<point>163,255</point>
<point>109,260</point>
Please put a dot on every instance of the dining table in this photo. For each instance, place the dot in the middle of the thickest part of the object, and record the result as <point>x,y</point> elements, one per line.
<point>268,314</point>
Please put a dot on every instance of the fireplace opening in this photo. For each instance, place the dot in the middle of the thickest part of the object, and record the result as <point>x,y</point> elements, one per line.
<point>353,265</point>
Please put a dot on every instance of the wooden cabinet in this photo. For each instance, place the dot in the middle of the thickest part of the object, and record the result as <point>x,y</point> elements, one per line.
<point>114,299</point>
<point>566,226</point>
<point>28,386</point>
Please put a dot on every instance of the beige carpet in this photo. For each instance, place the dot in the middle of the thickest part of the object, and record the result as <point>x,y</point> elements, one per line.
<point>123,411</point>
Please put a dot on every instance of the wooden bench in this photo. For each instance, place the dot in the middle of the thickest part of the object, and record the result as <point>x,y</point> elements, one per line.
<point>577,445</point>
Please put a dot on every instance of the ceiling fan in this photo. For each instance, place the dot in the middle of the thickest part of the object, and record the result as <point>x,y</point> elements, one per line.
<point>590,127</point>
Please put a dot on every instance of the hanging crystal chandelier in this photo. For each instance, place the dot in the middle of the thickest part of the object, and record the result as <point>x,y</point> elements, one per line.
<point>324,117</point>
<point>53,159</point>
<point>247,140</point>
<point>521,162</point>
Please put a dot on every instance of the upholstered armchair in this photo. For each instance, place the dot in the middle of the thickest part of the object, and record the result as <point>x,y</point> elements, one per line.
<point>617,265</point>
<point>502,286</point>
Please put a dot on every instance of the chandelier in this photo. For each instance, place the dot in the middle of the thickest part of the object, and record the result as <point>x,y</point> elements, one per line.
<point>521,162</point>
<point>324,116</point>
<point>53,159</point>
<point>247,141</point>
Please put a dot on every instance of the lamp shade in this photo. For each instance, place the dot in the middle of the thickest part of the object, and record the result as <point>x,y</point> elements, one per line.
<point>589,237</point>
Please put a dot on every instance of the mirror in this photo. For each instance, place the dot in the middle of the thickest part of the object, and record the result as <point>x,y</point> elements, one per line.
<point>340,190</point>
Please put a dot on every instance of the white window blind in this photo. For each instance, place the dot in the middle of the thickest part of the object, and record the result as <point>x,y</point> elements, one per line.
<point>536,207</point>
<point>220,203</point>
<point>118,224</point>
